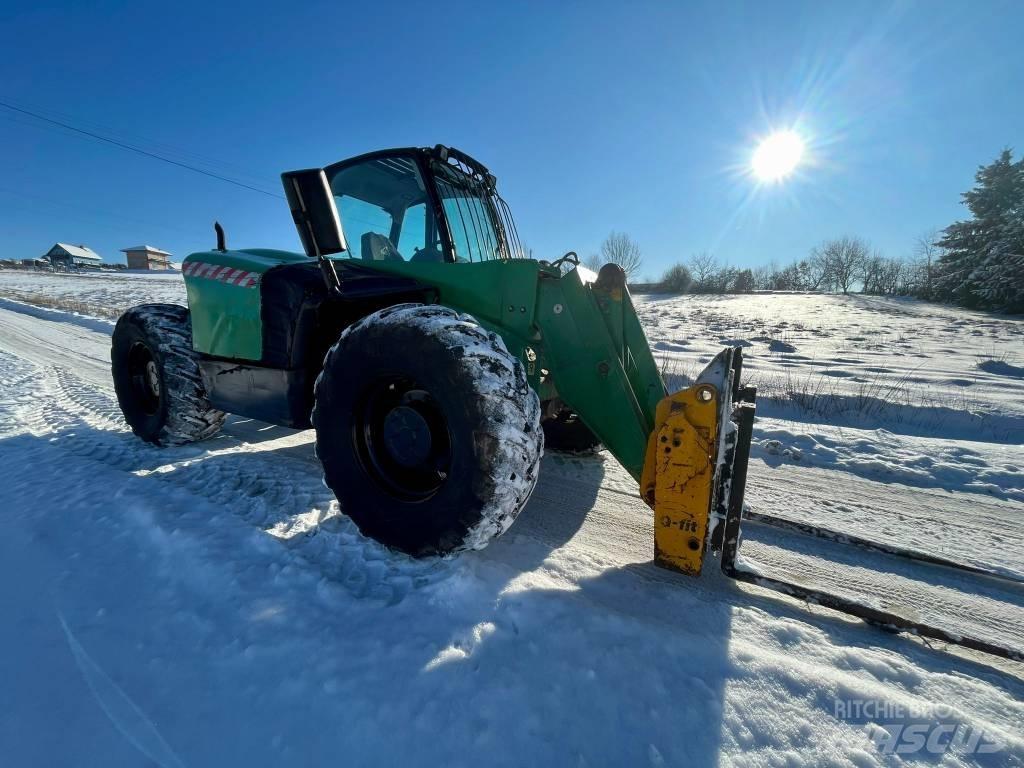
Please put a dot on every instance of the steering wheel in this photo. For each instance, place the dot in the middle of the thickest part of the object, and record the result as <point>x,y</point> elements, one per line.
<point>429,253</point>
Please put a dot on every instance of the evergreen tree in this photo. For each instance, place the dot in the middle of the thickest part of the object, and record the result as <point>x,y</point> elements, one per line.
<point>744,282</point>
<point>983,262</point>
<point>1001,273</point>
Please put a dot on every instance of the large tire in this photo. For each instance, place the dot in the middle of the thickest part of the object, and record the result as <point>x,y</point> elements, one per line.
<point>427,430</point>
<point>157,379</point>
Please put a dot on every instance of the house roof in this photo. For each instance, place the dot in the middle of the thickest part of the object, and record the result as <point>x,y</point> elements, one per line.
<point>80,251</point>
<point>147,248</point>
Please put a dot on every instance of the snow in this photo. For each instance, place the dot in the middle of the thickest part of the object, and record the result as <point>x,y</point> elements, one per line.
<point>926,462</point>
<point>860,361</point>
<point>209,605</point>
<point>101,294</point>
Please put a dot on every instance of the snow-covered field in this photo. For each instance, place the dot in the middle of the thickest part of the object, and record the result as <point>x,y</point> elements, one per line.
<point>102,294</point>
<point>900,390</point>
<point>208,605</point>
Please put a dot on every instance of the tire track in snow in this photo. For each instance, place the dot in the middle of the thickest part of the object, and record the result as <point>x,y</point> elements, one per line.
<point>281,494</point>
<point>276,485</point>
<point>968,527</point>
<point>976,606</point>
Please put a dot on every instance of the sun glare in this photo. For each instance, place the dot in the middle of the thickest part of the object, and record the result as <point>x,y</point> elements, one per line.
<point>777,156</point>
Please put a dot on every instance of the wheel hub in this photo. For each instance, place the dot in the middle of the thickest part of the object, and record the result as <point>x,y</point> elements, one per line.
<point>144,373</point>
<point>407,436</point>
<point>402,439</point>
<point>153,378</point>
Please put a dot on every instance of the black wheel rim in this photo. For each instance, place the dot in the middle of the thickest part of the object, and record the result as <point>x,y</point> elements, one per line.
<point>144,374</point>
<point>402,439</point>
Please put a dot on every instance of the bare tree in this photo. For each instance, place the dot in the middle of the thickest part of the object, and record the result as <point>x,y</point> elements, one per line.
<point>892,277</point>
<point>842,261</point>
<point>926,251</point>
<point>619,248</point>
<point>677,279</point>
<point>813,275</point>
<point>872,272</point>
<point>703,267</point>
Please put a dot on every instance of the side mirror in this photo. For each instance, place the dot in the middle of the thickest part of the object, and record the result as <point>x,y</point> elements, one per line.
<point>316,215</point>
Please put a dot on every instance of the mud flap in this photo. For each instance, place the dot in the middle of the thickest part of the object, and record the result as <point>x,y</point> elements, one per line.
<point>689,475</point>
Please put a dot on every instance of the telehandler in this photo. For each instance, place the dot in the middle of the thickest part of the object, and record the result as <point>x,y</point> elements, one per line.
<point>431,358</point>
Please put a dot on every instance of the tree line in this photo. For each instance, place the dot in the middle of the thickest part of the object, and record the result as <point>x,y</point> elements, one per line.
<point>977,262</point>
<point>839,265</point>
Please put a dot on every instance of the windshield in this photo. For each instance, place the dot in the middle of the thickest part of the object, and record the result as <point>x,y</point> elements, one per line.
<point>388,214</point>
<point>383,206</point>
<point>478,219</point>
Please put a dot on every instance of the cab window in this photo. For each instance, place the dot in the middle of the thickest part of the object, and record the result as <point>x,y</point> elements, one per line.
<point>470,219</point>
<point>414,230</point>
<point>382,204</point>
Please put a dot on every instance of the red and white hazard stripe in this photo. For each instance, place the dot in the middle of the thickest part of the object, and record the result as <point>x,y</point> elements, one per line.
<point>229,275</point>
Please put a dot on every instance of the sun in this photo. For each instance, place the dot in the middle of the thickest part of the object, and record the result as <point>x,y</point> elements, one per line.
<point>777,156</point>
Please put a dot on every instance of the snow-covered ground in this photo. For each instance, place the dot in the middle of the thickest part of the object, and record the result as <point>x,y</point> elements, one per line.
<point>103,294</point>
<point>208,605</point>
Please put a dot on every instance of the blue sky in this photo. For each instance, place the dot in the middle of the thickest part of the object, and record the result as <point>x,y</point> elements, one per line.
<point>638,117</point>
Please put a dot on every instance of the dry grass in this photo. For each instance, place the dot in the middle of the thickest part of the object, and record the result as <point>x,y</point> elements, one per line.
<point>65,304</point>
<point>879,402</point>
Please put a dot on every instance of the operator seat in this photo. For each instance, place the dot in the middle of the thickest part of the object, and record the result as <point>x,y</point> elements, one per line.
<point>377,247</point>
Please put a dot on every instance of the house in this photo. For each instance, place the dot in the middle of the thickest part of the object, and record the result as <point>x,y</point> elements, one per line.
<point>147,257</point>
<point>66,257</point>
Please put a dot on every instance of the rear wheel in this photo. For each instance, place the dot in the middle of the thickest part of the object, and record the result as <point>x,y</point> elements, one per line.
<point>157,379</point>
<point>565,432</point>
<point>427,430</point>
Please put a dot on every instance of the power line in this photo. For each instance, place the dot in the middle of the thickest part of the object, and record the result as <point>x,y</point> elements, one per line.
<point>140,151</point>
<point>218,165</point>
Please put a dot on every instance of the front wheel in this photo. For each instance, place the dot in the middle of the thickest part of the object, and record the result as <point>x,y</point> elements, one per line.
<point>427,430</point>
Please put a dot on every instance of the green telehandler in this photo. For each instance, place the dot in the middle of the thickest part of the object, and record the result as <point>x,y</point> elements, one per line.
<point>431,358</point>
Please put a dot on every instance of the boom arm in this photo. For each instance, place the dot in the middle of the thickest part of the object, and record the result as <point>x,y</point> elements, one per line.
<point>680,448</point>
<point>602,366</point>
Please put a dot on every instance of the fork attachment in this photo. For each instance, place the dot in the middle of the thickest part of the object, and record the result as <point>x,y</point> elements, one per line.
<point>695,476</point>
<point>689,473</point>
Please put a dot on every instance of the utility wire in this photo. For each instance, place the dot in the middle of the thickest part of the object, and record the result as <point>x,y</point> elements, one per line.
<point>131,148</point>
<point>217,165</point>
